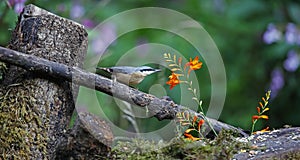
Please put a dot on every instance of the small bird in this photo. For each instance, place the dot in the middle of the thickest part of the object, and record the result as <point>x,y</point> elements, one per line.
<point>129,75</point>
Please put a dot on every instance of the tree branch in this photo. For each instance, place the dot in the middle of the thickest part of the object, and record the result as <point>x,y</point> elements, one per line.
<point>159,108</point>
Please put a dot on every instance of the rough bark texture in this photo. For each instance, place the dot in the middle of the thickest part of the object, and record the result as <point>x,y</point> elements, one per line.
<point>161,108</point>
<point>37,103</point>
<point>35,112</point>
<point>278,144</point>
<point>85,140</point>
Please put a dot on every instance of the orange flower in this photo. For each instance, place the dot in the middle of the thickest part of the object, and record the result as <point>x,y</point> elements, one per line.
<point>194,64</point>
<point>191,137</point>
<point>261,105</point>
<point>200,123</point>
<point>265,130</point>
<point>258,110</point>
<point>262,131</point>
<point>194,119</point>
<point>266,109</point>
<point>264,117</point>
<point>173,80</point>
<point>255,117</point>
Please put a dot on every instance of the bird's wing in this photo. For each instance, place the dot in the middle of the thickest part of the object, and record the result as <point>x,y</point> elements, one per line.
<point>105,69</point>
<point>118,69</point>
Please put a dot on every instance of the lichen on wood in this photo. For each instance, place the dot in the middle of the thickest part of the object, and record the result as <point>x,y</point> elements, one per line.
<point>35,111</point>
<point>21,124</point>
<point>223,147</point>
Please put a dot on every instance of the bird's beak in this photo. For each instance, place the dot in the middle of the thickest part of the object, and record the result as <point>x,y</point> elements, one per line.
<point>157,70</point>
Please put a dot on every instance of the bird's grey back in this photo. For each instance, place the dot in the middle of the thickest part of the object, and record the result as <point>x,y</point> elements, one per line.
<point>122,69</point>
<point>126,69</point>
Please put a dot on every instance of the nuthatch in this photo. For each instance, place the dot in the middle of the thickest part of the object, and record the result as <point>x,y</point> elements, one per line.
<point>129,75</point>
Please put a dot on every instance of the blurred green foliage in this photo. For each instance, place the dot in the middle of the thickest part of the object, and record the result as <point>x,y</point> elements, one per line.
<point>236,26</point>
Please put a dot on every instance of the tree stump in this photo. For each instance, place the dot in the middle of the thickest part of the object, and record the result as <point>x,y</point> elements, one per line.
<point>34,112</point>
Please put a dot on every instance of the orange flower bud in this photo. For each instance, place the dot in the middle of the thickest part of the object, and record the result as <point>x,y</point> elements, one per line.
<point>266,109</point>
<point>200,123</point>
<point>191,137</point>
<point>258,110</point>
<point>195,118</point>
<point>264,117</point>
<point>255,117</point>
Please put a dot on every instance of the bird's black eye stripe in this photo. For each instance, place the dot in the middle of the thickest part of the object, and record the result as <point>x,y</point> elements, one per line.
<point>144,70</point>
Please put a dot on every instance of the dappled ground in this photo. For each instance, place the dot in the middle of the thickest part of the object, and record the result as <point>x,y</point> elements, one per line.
<point>277,144</point>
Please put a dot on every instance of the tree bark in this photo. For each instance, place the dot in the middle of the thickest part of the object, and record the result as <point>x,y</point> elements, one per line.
<point>35,111</point>
<point>161,108</point>
<point>89,138</point>
<point>37,103</point>
<point>278,144</point>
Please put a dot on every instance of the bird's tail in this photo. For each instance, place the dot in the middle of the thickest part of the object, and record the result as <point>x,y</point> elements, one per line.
<point>104,69</point>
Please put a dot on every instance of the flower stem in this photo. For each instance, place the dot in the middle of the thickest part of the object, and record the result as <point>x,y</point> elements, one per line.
<point>253,126</point>
<point>209,124</point>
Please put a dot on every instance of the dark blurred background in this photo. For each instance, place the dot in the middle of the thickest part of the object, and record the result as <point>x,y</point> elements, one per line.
<point>259,42</point>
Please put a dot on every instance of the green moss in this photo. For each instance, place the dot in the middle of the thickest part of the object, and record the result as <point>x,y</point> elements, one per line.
<point>223,147</point>
<point>139,149</point>
<point>20,124</point>
<point>3,69</point>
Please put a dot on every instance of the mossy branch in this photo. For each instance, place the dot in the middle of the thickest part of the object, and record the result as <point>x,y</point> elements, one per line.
<point>159,108</point>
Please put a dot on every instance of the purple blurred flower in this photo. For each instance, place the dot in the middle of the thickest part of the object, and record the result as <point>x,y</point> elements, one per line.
<point>106,35</point>
<point>17,4</point>
<point>77,11</point>
<point>291,34</point>
<point>272,34</point>
<point>277,81</point>
<point>292,61</point>
<point>88,23</point>
<point>13,2</point>
<point>19,7</point>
